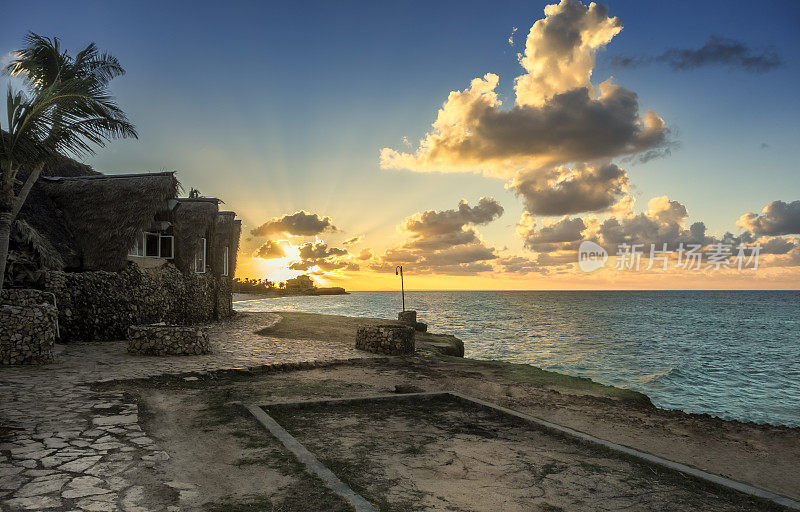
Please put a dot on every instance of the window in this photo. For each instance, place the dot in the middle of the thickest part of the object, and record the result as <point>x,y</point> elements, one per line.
<point>200,257</point>
<point>166,247</point>
<point>153,245</point>
<point>225,261</point>
<point>138,246</point>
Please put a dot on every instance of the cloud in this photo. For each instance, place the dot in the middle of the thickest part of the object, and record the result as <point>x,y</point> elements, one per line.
<point>472,133</point>
<point>7,58</point>
<point>511,36</point>
<point>520,265</point>
<point>326,258</point>
<point>716,51</point>
<point>298,224</point>
<point>561,131</point>
<point>565,191</point>
<point>270,250</point>
<point>551,236</point>
<point>557,242</point>
<point>364,255</point>
<point>560,50</point>
<point>352,241</point>
<point>662,222</point>
<point>319,250</point>
<point>777,218</point>
<point>777,245</point>
<point>444,241</point>
<point>432,222</point>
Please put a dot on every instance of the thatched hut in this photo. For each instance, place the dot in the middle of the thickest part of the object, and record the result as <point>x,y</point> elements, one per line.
<point>122,249</point>
<point>105,213</point>
<point>101,222</point>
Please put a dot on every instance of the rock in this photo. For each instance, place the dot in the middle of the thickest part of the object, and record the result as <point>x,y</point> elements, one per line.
<point>80,465</point>
<point>35,503</point>
<point>83,492</point>
<point>121,419</point>
<point>90,505</point>
<point>39,487</point>
<point>407,388</point>
<point>156,456</point>
<point>84,481</point>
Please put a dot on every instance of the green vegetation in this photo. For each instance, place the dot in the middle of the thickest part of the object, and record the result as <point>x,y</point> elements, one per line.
<point>343,329</point>
<point>311,326</point>
<point>528,374</point>
<point>282,289</point>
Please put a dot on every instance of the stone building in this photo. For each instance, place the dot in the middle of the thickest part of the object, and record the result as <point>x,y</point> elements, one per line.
<point>300,284</point>
<point>123,249</point>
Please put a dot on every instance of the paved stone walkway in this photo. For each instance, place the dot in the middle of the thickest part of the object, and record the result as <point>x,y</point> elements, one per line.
<point>68,448</point>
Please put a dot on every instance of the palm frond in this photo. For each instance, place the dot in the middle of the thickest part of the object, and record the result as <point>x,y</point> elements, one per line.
<point>70,110</point>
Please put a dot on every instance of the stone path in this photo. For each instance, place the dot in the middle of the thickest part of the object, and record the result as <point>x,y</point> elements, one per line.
<point>68,448</point>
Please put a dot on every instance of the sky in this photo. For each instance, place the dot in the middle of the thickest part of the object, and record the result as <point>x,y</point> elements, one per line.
<point>478,145</point>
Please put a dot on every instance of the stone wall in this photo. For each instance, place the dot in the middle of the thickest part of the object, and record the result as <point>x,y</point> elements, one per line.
<point>386,339</point>
<point>27,327</point>
<point>167,340</point>
<point>407,317</point>
<point>100,306</point>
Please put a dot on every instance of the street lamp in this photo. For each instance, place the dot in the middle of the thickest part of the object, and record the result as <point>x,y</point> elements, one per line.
<point>398,271</point>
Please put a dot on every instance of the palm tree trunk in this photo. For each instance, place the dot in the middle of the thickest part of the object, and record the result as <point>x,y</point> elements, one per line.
<point>7,218</point>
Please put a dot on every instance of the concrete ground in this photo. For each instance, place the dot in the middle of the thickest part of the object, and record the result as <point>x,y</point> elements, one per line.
<point>64,446</point>
<point>101,430</point>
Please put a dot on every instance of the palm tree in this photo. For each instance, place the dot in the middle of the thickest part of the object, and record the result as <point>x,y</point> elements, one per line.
<point>66,109</point>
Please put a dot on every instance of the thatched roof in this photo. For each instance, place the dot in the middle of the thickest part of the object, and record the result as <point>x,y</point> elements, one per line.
<point>104,213</point>
<point>194,219</point>
<point>41,214</point>
<point>90,220</point>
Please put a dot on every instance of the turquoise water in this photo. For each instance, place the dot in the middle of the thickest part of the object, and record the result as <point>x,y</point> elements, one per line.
<point>735,355</point>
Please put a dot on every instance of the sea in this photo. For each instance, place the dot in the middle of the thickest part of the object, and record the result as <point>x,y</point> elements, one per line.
<point>731,354</point>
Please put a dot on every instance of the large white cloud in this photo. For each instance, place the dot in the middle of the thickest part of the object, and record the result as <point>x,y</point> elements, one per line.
<point>560,50</point>
<point>558,118</point>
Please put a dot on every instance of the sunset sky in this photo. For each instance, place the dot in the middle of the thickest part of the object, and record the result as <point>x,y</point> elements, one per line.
<point>475,143</point>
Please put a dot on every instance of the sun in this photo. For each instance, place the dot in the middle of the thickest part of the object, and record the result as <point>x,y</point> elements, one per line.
<point>277,269</point>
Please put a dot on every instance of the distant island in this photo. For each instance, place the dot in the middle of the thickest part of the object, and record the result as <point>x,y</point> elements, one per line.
<point>300,285</point>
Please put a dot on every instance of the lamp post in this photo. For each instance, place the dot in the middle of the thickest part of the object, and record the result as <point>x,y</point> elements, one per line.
<point>398,271</point>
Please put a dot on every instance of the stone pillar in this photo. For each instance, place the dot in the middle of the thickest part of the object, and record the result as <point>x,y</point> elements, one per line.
<point>390,339</point>
<point>27,334</point>
<point>407,317</point>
